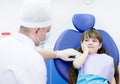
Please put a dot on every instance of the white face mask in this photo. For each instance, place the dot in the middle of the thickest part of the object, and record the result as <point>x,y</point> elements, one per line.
<point>46,39</point>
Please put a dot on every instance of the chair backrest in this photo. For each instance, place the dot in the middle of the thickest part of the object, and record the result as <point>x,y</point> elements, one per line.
<point>71,39</point>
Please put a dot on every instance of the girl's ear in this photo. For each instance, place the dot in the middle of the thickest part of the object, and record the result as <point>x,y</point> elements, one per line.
<point>100,45</point>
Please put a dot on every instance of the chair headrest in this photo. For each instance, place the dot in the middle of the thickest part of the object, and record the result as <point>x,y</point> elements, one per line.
<point>83,22</point>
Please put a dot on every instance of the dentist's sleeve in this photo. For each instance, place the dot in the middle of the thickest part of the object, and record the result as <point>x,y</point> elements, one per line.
<point>7,77</point>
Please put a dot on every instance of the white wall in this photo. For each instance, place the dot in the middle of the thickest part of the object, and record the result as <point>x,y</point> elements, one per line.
<point>8,14</point>
<point>106,13</point>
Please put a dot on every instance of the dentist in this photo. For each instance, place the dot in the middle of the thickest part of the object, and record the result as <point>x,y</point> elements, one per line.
<point>20,62</point>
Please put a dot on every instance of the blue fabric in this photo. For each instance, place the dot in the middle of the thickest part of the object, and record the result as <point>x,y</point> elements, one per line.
<point>83,22</point>
<point>61,44</point>
<point>91,79</point>
<point>110,46</point>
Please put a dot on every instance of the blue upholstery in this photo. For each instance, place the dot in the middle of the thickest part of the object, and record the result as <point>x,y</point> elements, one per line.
<point>110,46</point>
<point>83,22</point>
<point>71,39</point>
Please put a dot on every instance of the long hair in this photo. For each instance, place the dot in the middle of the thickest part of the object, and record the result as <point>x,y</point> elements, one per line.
<point>116,75</point>
<point>74,72</point>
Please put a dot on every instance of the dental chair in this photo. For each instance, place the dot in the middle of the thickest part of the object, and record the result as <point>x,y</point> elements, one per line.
<point>71,39</point>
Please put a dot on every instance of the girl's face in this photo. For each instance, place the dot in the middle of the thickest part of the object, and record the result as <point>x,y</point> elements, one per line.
<point>93,45</point>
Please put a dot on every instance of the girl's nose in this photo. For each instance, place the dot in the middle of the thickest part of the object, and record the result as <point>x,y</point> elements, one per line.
<point>90,42</point>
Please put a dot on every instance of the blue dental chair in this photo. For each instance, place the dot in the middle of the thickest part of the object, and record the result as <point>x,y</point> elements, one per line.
<point>71,39</point>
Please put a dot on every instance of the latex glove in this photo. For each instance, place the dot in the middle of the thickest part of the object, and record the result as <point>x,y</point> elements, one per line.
<point>65,54</point>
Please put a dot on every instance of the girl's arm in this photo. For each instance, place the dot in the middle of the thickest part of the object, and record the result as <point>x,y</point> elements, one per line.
<point>113,81</point>
<point>79,61</point>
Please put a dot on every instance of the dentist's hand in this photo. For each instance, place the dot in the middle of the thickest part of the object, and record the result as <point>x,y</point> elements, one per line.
<point>65,54</point>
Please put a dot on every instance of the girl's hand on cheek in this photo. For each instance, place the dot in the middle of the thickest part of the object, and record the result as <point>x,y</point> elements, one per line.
<point>85,48</point>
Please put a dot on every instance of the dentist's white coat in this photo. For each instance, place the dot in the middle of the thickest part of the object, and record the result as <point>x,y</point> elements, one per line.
<point>20,63</point>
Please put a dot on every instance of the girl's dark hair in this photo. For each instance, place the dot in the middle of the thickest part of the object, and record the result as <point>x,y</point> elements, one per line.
<point>72,75</point>
<point>116,75</point>
<point>74,72</point>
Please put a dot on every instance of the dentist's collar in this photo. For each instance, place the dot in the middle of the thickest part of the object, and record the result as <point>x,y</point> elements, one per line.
<point>24,38</point>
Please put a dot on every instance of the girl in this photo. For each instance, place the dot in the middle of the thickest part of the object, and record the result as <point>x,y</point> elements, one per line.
<point>93,64</point>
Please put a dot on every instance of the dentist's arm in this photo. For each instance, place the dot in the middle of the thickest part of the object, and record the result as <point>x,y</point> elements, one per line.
<point>47,54</point>
<point>62,54</point>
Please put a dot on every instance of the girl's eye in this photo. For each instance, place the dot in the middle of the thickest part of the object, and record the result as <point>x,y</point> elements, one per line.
<point>86,40</point>
<point>94,40</point>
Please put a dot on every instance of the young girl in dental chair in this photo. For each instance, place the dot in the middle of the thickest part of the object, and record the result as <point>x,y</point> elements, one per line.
<point>93,65</point>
